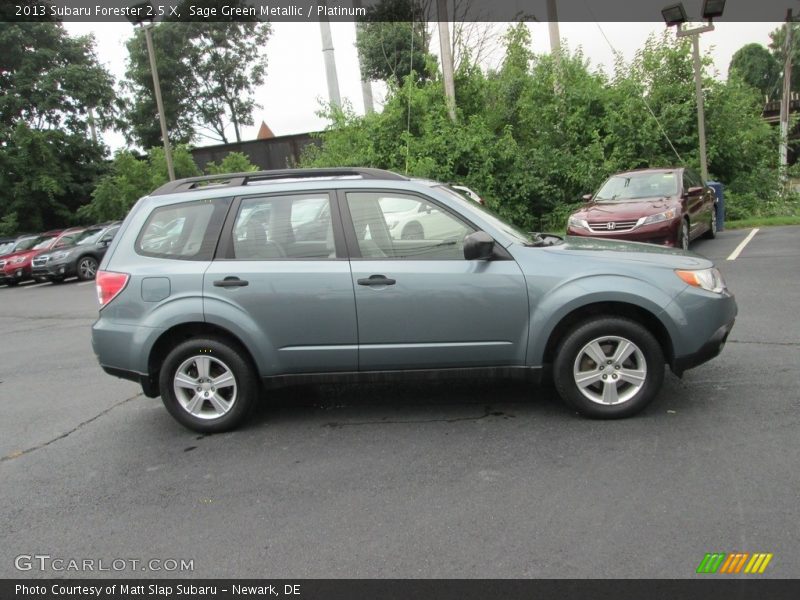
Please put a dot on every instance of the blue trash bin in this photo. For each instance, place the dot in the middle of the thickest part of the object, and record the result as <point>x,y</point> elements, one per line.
<point>720,206</point>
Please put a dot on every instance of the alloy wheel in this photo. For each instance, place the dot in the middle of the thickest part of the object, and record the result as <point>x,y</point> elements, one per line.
<point>610,370</point>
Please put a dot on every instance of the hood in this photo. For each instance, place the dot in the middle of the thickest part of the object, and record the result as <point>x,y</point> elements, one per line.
<point>610,250</point>
<point>624,210</point>
<point>25,253</point>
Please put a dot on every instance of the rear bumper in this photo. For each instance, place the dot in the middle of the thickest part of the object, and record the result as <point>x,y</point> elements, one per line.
<point>149,387</point>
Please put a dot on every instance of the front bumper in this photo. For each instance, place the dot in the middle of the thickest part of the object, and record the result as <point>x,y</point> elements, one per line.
<point>664,233</point>
<point>15,274</point>
<point>53,270</point>
<point>707,351</point>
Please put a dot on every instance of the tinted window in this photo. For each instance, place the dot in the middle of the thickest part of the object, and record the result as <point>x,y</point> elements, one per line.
<point>277,227</point>
<point>422,231</point>
<point>691,179</point>
<point>185,231</point>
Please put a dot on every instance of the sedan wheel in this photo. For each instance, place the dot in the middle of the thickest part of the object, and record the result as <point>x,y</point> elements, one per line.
<point>712,226</point>
<point>87,268</point>
<point>683,235</point>
<point>207,385</point>
<point>609,368</point>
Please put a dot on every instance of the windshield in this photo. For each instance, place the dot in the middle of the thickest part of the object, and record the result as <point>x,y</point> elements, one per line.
<point>43,242</point>
<point>6,248</point>
<point>27,243</point>
<point>633,186</point>
<point>494,220</point>
<point>89,236</point>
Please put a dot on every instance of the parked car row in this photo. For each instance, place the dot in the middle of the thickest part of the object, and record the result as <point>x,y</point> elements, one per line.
<point>55,255</point>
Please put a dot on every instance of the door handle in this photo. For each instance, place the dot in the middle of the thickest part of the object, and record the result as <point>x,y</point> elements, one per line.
<point>376,280</point>
<point>231,282</point>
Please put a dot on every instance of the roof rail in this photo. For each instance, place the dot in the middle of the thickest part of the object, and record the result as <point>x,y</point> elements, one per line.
<point>239,179</point>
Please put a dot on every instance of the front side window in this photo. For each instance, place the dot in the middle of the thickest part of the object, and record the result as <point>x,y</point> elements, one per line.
<point>399,226</point>
<point>186,231</point>
<point>281,227</point>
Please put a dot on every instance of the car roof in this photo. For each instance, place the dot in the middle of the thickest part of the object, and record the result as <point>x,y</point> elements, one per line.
<point>649,170</point>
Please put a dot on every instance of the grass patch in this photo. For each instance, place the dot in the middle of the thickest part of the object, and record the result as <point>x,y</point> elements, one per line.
<point>762,222</point>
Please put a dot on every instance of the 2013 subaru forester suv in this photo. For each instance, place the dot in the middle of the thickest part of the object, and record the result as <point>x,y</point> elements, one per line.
<point>217,288</point>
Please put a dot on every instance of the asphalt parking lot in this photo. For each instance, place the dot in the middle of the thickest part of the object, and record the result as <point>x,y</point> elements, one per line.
<point>471,480</point>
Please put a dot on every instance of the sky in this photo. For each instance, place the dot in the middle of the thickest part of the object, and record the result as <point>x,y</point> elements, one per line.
<point>296,84</point>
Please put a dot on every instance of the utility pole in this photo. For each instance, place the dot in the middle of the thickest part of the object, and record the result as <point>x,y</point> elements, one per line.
<point>447,58</point>
<point>92,127</point>
<point>786,97</point>
<point>157,88</point>
<point>698,89</point>
<point>366,86</point>
<point>330,60</point>
<point>555,41</point>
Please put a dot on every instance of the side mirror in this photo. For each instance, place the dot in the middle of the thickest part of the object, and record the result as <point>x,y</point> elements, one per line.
<point>478,246</point>
<point>587,197</point>
<point>695,191</point>
<point>104,242</point>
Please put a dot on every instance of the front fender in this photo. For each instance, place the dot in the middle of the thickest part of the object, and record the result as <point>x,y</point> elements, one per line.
<point>551,308</point>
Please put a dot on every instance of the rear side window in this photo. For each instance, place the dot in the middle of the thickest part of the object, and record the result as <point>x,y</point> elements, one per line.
<point>187,231</point>
<point>294,226</point>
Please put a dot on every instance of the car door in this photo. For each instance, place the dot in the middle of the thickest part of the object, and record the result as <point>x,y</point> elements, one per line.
<point>420,304</point>
<point>696,203</point>
<point>289,277</point>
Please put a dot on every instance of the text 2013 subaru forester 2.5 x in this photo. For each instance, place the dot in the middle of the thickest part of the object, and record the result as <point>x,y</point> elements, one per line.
<point>217,288</point>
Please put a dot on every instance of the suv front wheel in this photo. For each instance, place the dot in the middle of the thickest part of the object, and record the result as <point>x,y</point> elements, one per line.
<point>609,368</point>
<point>207,385</point>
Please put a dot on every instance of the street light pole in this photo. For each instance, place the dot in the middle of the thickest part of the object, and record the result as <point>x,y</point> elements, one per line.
<point>157,87</point>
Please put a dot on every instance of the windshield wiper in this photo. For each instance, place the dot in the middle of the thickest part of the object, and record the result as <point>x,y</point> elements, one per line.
<point>543,239</point>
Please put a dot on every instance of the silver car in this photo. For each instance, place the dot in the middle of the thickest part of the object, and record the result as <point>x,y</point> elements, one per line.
<point>272,278</point>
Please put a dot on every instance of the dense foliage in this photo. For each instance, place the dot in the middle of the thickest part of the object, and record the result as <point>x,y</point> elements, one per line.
<point>51,86</point>
<point>532,147</point>
<point>130,177</point>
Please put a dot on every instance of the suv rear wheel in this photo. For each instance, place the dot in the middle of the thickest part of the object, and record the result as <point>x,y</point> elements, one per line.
<point>609,368</point>
<point>207,385</point>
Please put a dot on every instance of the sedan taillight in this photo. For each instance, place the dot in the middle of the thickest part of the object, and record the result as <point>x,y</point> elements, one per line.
<point>109,285</point>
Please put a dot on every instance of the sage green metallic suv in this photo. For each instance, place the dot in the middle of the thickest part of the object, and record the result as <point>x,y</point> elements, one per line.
<point>216,289</point>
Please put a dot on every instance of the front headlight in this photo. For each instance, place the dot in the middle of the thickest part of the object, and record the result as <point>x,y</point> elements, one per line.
<point>658,217</point>
<point>708,279</point>
<point>60,255</point>
<point>17,260</point>
<point>578,223</point>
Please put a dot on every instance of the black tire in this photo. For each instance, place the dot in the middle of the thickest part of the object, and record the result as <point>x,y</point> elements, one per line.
<point>413,231</point>
<point>86,268</point>
<point>682,242</point>
<point>712,225</point>
<point>218,351</point>
<point>609,333</point>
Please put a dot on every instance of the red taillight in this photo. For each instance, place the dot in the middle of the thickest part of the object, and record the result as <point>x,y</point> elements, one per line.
<point>109,284</point>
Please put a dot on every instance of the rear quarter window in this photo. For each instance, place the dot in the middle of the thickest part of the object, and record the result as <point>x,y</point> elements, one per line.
<point>186,231</point>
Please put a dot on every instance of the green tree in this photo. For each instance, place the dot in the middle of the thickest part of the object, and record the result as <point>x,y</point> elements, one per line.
<point>394,40</point>
<point>130,178</point>
<point>53,85</point>
<point>234,162</point>
<point>777,46</point>
<point>754,65</point>
<point>208,73</point>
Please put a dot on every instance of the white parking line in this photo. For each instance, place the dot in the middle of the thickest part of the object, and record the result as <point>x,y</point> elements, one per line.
<point>735,254</point>
<point>86,283</point>
<point>33,285</point>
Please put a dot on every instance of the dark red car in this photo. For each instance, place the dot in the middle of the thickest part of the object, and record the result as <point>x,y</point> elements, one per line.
<point>670,207</point>
<point>16,266</point>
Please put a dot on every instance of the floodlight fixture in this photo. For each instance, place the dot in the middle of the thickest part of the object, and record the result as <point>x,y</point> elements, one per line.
<point>674,14</point>
<point>713,8</point>
<point>140,13</point>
